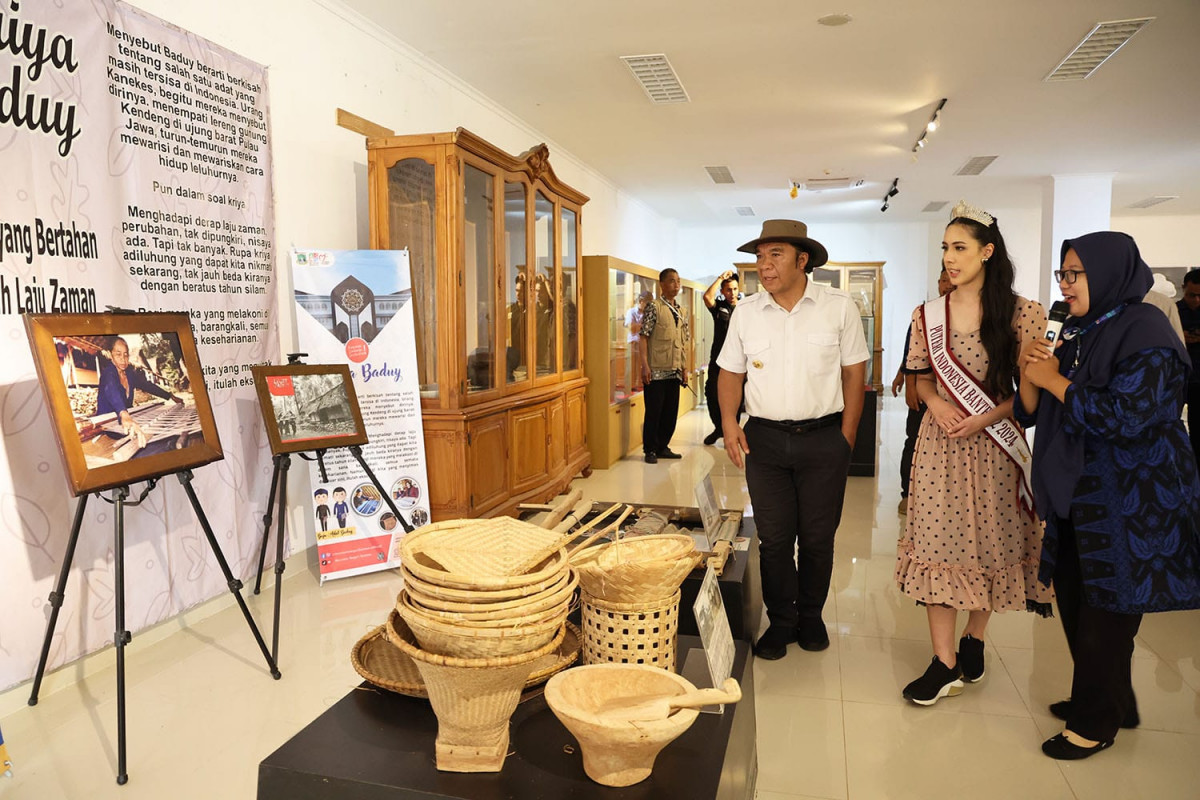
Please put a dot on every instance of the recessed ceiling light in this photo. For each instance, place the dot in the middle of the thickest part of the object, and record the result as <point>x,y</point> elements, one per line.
<point>834,20</point>
<point>1153,201</point>
<point>657,78</point>
<point>935,205</point>
<point>1101,42</point>
<point>745,211</point>
<point>719,174</point>
<point>976,165</point>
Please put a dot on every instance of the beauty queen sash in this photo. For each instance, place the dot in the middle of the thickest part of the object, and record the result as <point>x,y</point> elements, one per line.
<point>970,395</point>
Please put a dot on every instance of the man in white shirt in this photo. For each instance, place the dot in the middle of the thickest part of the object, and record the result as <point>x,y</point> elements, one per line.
<point>800,351</point>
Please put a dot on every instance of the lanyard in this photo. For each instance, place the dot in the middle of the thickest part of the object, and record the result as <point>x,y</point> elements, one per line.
<point>1071,333</point>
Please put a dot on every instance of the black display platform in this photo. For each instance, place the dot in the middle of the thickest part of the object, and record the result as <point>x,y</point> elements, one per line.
<point>376,745</point>
<point>739,590</point>
<point>862,459</point>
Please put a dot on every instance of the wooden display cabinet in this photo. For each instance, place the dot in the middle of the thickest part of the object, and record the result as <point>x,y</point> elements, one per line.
<point>493,243</point>
<point>615,406</point>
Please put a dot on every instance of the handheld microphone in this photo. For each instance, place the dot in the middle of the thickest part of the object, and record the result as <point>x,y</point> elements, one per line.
<point>1058,315</point>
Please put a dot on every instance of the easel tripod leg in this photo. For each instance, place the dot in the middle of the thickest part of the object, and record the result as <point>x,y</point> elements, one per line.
<point>121,636</point>
<point>282,466</point>
<point>262,555</point>
<point>56,599</point>
<point>235,586</point>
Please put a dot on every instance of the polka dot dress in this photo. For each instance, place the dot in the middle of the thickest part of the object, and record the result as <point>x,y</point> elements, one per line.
<point>967,543</point>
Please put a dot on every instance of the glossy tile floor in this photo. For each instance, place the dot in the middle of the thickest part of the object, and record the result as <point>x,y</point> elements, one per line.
<point>203,711</point>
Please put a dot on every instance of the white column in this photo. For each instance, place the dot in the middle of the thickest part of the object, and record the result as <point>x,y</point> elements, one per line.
<point>1072,205</point>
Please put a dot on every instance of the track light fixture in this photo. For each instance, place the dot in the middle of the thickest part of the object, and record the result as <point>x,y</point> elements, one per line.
<point>891,192</point>
<point>934,123</point>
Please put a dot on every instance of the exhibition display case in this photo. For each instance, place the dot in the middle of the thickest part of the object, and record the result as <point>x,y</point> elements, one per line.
<point>493,242</point>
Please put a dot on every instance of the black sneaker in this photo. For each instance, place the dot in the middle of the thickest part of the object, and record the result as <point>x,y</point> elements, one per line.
<point>938,681</point>
<point>970,658</point>
<point>1062,710</point>
<point>667,452</point>
<point>651,458</point>
<point>772,645</point>
<point>712,437</point>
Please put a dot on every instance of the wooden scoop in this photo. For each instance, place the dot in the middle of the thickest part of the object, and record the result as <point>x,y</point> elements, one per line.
<point>634,709</point>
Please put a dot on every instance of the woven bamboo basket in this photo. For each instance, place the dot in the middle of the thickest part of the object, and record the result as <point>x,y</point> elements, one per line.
<point>630,633</point>
<point>521,621</point>
<point>636,569</point>
<point>480,553</point>
<point>452,599</point>
<point>617,752</point>
<point>542,602</point>
<point>464,641</point>
<point>385,665</point>
<point>473,700</point>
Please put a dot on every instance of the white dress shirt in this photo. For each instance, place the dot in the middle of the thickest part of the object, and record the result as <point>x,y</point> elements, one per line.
<point>793,359</point>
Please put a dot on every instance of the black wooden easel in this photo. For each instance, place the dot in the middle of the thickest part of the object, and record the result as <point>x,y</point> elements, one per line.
<point>122,637</point>
<point>279,492</point>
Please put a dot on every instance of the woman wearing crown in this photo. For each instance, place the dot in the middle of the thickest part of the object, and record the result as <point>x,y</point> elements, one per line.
<point>972,542</point>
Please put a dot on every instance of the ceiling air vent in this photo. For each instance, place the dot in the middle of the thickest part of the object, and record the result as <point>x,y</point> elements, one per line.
<point>720,174</point>
<point>744,211</point>
<point>821,184</point>
<point>1153,201</point>
<point>935,205</point>
<point>976,165</point>
<point>1096,48</point>
<point>657,77</point>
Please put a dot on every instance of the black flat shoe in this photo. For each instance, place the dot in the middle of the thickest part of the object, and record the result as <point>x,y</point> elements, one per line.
<point>1062,710</point>
<point>812,635</point>
<point>667,452</point>
<point>712,438</point>
<point>1058,747</point>
<point>772,645</point>
<point>651,458</point>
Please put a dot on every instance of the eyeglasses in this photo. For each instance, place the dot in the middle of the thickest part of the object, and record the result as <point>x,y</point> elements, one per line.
<point>1068,275</point>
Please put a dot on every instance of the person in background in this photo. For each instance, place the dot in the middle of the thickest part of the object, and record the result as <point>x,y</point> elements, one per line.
<point>799,350</point>
<point>720,299</point>
<point>916,409</point>
<point>971,542</point>
<point>119,379</point>
<point>1161,296</point>
<point>633,321</point>
<point>663,341</point>
<point>1189,318</point>
<point>1114,477</point>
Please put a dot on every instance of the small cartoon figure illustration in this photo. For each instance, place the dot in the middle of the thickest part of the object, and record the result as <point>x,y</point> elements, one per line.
<point>321,498</point>
<point>341,509</point>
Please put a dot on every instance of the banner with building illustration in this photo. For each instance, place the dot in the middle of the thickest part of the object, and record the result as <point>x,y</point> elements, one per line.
<point>355,307</point>
<point>135,172</point>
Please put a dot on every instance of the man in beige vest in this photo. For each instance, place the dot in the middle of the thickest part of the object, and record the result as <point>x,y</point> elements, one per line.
<point>662,342</point>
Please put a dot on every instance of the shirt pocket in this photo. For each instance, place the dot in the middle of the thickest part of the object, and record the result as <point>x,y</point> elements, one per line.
<point>825,353</point>
<point>758,354</point>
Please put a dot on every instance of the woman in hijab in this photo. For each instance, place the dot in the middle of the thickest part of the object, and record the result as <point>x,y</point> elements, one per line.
<point>1114,478</point>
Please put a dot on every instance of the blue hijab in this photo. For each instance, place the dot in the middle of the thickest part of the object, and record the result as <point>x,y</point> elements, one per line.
<point>1116,277</point>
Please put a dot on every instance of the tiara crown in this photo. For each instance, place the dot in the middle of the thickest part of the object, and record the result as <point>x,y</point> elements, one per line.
<point>968,211</point>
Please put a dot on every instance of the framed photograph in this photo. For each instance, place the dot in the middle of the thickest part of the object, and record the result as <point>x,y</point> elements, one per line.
<point>126,395</point>
<point>309,407</point>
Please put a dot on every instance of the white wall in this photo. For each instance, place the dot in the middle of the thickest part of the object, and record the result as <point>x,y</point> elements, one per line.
<point>1164,241</point>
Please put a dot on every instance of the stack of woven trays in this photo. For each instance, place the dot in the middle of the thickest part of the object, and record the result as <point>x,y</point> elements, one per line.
<point>629,591</point>
<point>484,602</point>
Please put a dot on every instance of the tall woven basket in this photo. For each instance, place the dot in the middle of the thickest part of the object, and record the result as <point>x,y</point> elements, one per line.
<point>630,633</point>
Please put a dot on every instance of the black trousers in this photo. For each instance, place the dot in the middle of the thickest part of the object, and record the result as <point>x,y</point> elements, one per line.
<point>662,412</point>
<point>710,396</point>
<point>1193,415</point>
<point>797,484</point>
<point>912,426</point>
<point>1101,644</point>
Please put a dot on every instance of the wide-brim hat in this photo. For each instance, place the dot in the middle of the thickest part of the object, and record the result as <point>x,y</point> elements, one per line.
<point>793,232</point>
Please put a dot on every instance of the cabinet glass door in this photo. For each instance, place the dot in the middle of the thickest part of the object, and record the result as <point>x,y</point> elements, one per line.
<point>479,286</point>
<point>516,283</point>
<point>546,329</point>
<point>411,209</point>
<point>570,290</point>
<point>624,322</point>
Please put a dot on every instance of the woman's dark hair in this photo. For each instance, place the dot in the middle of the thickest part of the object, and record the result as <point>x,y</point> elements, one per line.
<point>999,306</point>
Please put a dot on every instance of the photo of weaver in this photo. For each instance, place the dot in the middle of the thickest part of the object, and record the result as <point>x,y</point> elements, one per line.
<point>130,395</point>
<point>125,393</point>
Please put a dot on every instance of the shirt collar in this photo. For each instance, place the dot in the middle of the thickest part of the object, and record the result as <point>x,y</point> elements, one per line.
<point>812,292</point>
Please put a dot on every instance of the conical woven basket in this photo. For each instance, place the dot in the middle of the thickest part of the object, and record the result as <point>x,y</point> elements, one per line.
<point>451,599</point>
<point>462,640</point>
<point>637,569</point>
<point>473,700</point>
<point>480,553</point>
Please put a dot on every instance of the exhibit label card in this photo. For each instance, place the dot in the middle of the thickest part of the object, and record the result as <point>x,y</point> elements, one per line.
<point>715,634</point>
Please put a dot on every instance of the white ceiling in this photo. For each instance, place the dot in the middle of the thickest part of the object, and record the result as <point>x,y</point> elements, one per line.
<point>775,97</point>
